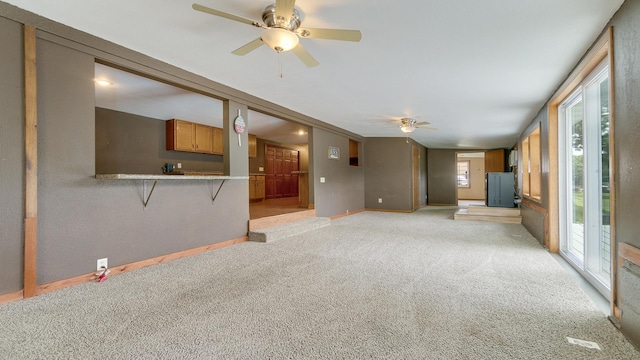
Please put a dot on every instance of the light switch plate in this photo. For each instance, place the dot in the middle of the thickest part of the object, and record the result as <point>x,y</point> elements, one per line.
<point>322,179</point>
<point>260,168</point>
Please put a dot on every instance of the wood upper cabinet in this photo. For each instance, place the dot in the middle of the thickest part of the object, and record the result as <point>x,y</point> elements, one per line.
<point>204,139</point>
<point>253,146</point>
<point>180,135</point>
<point>218,144</point>
<point>187,136</point>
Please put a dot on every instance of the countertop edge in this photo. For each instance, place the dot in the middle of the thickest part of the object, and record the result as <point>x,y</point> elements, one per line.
<point>167,177</point>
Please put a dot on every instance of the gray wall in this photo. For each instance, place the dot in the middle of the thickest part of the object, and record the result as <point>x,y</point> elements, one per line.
<point>343,190</point>
<point>441,170</point>
<point>388,173</point>
<point>626,34</point>
<point>82,219</point>
<point>11,156</point>
<point>626,42</point>
<point>531,219</point>
<point>133,144</point>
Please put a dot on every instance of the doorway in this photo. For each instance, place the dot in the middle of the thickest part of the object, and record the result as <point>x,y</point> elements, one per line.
<point>470,169</point>
<point>584,162</point>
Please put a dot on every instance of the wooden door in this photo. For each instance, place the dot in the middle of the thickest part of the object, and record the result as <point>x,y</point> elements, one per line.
<point>295,166</point>
<point>279,165</point>
<point>286,174</point>
<point>270,175</point>
<point>415,172</point>
<point>494,160</point>
<point>278,172</point>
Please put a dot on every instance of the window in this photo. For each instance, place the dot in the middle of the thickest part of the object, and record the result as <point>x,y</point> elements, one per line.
<point>463,174</point>
<point>353,152</point>
<point>531,176</point>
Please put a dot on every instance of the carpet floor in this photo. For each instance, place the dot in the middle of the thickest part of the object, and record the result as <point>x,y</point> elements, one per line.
<point>370,286</point>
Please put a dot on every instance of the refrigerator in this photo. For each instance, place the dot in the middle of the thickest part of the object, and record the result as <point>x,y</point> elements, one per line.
<point>499,189</point>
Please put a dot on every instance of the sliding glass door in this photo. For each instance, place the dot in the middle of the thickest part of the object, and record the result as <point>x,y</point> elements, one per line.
<point>584,181</point>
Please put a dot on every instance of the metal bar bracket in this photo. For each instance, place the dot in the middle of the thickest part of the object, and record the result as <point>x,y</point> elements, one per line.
<point>144,191</point>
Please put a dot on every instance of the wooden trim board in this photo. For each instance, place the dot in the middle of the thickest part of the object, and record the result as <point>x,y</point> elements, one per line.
<point>11,297</point>
<point>632,254</point>
<point>31,162</point>
<point>60,284</point>
<point>346,214</point>
<point>389,210</point>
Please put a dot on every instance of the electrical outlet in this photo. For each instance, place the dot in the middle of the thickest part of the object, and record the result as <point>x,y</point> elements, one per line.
<point>322,179</point>
<point>379,200</point>
<point>102,264</point>
<point>179,165</point>
<point>260,168</point>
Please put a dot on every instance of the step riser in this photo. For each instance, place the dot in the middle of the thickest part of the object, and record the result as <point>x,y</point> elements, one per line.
<point>493,211</point>
<point>497,219</point>
<point>287,230</point>
<point>280,219</point>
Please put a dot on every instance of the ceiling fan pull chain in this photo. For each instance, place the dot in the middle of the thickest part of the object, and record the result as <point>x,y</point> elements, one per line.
<point>280,65</point>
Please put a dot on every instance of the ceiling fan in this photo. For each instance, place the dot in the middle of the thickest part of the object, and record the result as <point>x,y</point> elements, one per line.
<point>282,31</point>
<point>409,124</point>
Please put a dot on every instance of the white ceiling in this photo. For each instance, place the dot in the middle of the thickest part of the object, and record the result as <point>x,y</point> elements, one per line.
<point>477,70</point>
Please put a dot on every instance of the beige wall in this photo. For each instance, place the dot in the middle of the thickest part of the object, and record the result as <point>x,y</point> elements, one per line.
<point>475,191</point>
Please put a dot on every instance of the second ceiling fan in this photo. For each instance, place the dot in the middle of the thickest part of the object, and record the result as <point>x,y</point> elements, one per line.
<point>282,31</point>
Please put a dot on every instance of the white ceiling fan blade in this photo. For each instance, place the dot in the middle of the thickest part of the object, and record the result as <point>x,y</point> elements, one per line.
<point>223,14</point>
<point>245,49</point>
<point>427,128</point>
<point>284,9</point>
<point>331,34</point>
<point>304,56</point>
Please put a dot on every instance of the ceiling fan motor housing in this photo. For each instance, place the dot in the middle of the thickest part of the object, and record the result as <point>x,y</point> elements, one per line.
<point>271,20</point>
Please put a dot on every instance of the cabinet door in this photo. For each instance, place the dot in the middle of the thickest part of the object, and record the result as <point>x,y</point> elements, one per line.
<point>218,144</point>
<point>253,146</point>
<point>260,185</point>
<point>204,139</point>
<point>183,135</point>
<point>252,187</point>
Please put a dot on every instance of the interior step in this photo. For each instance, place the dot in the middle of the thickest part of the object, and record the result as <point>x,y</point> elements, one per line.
<point>282,231</point>
<point>270,221</point>
<point>463,214</point>
<point>493,211</point>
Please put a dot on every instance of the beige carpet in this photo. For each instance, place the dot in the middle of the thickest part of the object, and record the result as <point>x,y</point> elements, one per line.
<point>372,285</point>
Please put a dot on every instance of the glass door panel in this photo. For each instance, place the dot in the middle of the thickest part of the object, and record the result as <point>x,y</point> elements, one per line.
<point>576,187</point>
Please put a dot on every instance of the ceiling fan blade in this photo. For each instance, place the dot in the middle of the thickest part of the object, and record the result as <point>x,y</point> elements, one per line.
<point>423,123</point>
<point>427,128</point>
<point>223,14</point>
<point>304,56</point>
<point>284,9</point>
<point>331,34</point>
<point>245,49</point>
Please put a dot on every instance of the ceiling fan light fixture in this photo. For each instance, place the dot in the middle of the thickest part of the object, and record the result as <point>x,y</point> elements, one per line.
<point>407,128</point>
<point>280,39</point>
